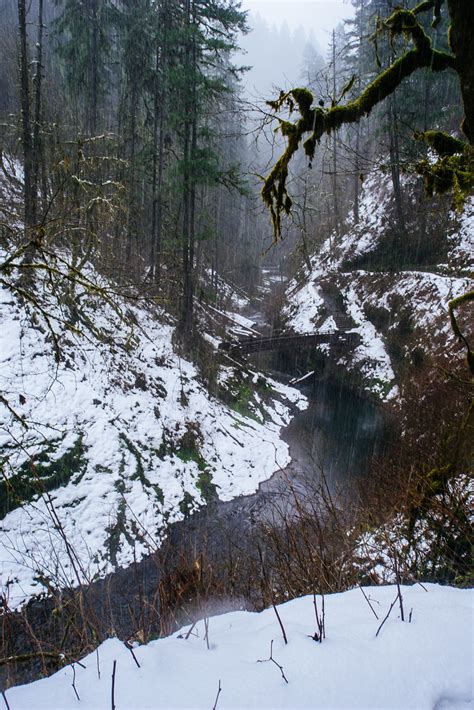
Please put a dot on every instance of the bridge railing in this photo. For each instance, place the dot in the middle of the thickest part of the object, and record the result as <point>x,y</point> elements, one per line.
<point>303,341</point>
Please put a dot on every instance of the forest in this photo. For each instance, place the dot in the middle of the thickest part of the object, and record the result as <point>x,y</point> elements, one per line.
<point>235,355</point>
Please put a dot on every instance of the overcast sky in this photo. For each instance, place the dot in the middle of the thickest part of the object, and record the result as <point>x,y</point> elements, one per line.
<point>277,58</point>
<point>321,16</point>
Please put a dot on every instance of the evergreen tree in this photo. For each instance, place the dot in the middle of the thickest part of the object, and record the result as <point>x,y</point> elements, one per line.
<point>84,44</point>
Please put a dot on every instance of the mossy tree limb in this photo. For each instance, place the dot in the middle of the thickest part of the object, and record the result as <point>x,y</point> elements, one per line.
<point>444,144</point>
<point>461,42</point>
<point>317,121</point>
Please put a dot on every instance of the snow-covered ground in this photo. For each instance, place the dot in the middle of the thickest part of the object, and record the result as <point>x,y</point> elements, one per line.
<point>423,662</point>
<point>461,253</point>
<point>372,298</point>
<point>121,435</point>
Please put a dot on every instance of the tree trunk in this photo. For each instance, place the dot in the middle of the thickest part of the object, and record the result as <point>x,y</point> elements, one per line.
<point>94,69</point>
<point>189,194</point>
<point>395,168</point>
<point>28,163</point>
<point>159,112</point>
<point>132,187</point>
<point>337,219</point>
<point>38,158</point>
<point>357,168</point>
<point>462,44</point>
<point>186,315</point>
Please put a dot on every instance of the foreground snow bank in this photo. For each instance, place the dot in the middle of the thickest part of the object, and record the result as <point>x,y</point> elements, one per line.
<point>423,664</point>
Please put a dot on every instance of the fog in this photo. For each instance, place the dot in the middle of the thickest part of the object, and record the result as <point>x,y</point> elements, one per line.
<point>284,38</point>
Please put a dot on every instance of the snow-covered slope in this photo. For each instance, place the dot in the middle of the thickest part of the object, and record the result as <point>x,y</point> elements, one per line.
<point>395,311</point>
<point>103,449</point>
<point>424,662</point>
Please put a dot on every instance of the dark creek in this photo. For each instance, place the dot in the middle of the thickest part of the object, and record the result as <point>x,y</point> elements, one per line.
<point>330,442</point>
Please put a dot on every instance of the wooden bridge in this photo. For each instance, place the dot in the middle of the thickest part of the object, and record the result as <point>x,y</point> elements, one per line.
<point>289,341</point>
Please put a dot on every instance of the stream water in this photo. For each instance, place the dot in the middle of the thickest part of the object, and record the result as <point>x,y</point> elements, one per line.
<point>334,436</point>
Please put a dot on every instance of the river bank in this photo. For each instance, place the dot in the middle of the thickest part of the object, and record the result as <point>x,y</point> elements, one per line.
<point>329,444</point>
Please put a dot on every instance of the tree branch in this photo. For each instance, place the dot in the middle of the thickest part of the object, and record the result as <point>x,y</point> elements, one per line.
<point>319,121</point>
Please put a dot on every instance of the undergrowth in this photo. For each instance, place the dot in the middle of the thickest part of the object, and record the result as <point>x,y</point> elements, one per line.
<point>408,521</point>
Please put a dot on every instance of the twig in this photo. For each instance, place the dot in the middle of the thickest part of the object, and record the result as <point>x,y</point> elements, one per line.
<point>130,648</point>
<point>324,615</point>
<point>15,414</point>
<point>388,614</point>
<point>190,631</point>
<point>206,631</point>
<point>24,657</point>
<point>280,622</point>
<point>74,682</point>
<point>267,660</point>
<point>217,696</point>
<point>397,576</point>
<point>321,633</point>
<point>368,602</point>
<point>5,699</point>
<point>113,685</point>
<point>264,573</point>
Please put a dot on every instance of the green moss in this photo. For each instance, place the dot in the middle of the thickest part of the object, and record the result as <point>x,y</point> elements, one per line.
<point>239,394</point>
<point>115,531</point>
<point>262,385</point>
<point>205,485</point>
<point>318,121</point>
<point>442,143</point>
<point>187,504</point>
<point>139,474</point>
<point>241,403</point>
<point>42,475</point>
<point>304,98</point>
<point>159,493</point>
<point>186,455</point>
<point>450,173</point>
<point>190,451</point>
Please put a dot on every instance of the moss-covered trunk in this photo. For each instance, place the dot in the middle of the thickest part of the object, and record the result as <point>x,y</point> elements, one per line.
<point>462,44</point>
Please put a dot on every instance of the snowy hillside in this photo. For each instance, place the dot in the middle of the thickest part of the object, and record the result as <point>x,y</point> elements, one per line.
<point>397,312</point>
<point>424,662</point>
<point>117,439</point>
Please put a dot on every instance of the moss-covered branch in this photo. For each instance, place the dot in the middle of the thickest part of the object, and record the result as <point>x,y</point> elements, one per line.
<point>442,143</point>
<point>454,171</point>
<point>434,5</point>
<point>317,121</point>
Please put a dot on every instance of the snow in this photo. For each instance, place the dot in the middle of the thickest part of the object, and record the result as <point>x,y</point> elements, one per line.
<point>147,427</point>
<point>305,305</point>
<point>424,663</point>
<point>229,294</point>
<point>462,239</point>
<point>329,326</point>
<point>422,294</point>
<point>372,211</point>
<point>425,294</point>
<point>371,354</point>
